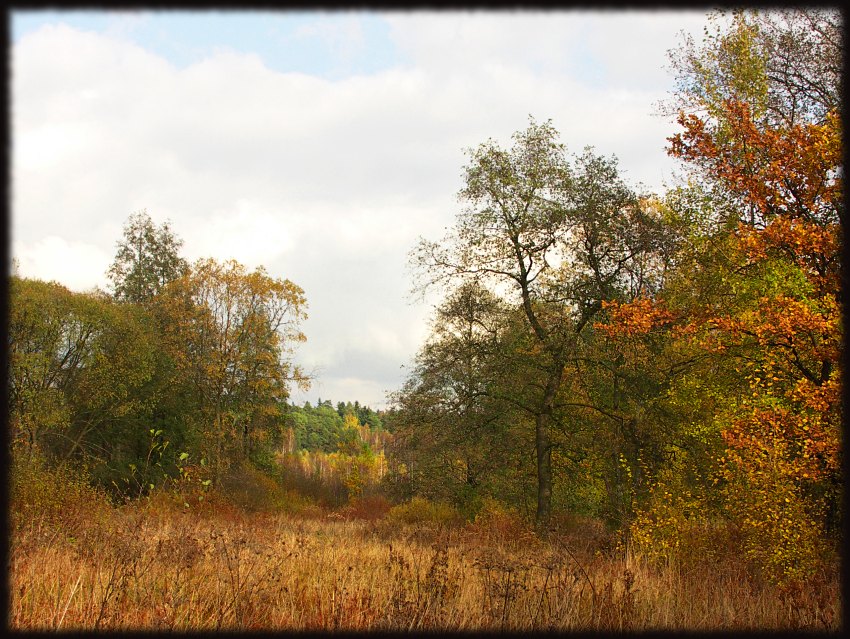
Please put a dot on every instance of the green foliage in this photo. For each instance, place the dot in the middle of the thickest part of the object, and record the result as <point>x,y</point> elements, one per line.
<point>147,259</point>
<point>231,333</point>
<point>51,336</point>
<point>318,428</point>
<point>549,240</point>
<point>580,489</point>
<point>86,376</point>
<point>180,360</point>
<point>321,428</point>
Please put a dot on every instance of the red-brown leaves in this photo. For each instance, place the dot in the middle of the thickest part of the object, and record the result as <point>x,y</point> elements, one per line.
<point>635,318</point>
<point>790,172</point>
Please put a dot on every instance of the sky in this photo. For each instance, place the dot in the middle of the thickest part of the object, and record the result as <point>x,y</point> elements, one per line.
<point>320,145</point>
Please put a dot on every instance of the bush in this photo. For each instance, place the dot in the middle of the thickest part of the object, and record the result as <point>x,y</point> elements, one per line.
<point>580,532</point>
<point>53,497</point>
<point>367,507</point>
<point>252,489</point>
<point>294,503</point>
<point>668,519</point>
<point>420,510</point>
<point>497,523</point>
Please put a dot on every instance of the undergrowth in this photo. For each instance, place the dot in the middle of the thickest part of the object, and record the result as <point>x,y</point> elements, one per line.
<point>253,555</point>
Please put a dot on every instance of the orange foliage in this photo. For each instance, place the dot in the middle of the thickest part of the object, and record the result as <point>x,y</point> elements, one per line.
<point>635,318</point>
<point>788,172</point>
<point>814,248</point>
<point>782,435</point>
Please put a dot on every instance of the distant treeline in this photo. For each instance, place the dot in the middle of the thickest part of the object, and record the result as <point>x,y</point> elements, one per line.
<point>350,428</point>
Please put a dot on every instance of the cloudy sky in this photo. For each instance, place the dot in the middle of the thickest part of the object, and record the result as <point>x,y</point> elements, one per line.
<point>319,145</point>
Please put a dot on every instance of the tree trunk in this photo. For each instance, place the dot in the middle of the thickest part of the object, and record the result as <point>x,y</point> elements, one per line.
<point>544,447</point>
<point>544,471</point>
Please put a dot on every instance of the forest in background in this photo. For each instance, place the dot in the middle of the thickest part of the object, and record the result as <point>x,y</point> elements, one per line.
<point>660,373</point>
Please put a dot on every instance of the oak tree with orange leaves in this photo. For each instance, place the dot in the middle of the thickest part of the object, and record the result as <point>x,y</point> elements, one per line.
<point>773,319</point>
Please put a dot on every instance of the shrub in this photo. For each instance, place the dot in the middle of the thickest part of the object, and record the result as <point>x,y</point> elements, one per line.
<point>420,510</point>
<point>782,539</point>
<point>499,523</point>
<point>294,503</point>
<point>367,507</point>
<point>667,519</point>
<point>252,489</point>
<point>55,497</point>
<point>580,532</point>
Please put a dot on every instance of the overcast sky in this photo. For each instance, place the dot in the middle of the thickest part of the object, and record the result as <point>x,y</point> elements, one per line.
<point>319,145</point>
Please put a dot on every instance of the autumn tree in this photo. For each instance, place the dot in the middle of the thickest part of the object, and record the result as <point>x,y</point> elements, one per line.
<point>232,333</point>
<point>196,362</point>
<point>553,238</point>
<point>87,379</point>
<point>761,299</point>
<point>790,327</point>
<point>51,332</point>
<point>146,260</point>
<point>786,64</point>
<point>458,425</point>
<point>120,394</point>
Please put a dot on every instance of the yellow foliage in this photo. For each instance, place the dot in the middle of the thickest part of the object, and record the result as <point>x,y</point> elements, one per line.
<point>420,510</point>
<point>660,527</point>
<point>58,498</point>
<point>782,536</point>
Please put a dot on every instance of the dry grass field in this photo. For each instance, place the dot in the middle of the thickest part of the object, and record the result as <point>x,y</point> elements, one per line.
<point>155,564</point>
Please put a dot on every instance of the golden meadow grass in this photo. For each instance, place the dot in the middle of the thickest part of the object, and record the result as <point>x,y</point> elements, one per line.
<point>158,565</point>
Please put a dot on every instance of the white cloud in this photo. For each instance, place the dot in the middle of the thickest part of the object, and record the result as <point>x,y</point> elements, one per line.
<point>250,233</point>
<point>326,182</point>
<point>77,265</point>
<point>458,41</point>
<point>345,389</point>
<point>630,47</point>
<point>125,23</point>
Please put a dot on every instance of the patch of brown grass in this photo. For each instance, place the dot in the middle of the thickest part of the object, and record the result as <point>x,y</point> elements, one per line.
<point>159,565</point>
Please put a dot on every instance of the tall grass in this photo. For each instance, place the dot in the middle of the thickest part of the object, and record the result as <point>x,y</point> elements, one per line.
<point>256,556</point>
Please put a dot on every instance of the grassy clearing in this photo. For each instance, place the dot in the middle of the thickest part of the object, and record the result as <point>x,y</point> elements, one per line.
<point>158,565</point>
